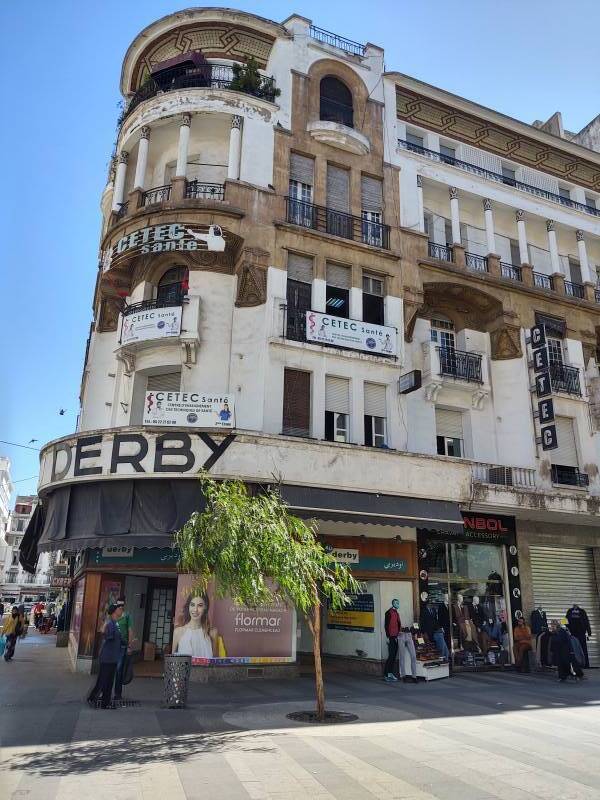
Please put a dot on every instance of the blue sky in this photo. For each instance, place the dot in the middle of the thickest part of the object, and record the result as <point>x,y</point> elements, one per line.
<point>59,70</point>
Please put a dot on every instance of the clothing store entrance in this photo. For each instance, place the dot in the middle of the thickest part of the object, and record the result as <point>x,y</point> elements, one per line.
<point>160,611</point>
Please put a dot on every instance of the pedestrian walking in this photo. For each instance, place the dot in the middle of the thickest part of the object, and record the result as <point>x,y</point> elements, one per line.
<point>109,657</point>
<point>12,629</point>
<point>562,654</point>
<point>127,639</point>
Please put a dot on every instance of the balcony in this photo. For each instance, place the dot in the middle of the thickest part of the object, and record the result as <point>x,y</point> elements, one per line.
<point>497,177</point>
<point>198,190</point>
<point>511,272</point>
<point>337,223</point>
<point>459,364</point>
<point>159,194</point>
<point>574,290</point>
<point>333,40</point>
<point>476,263</point>
<point>174,322</point>
<point>541,281</point>
<point>206,76</point>
<point>449,369</point>
<point>569,476</point>
<point>565,379</point>
<point>149,305</point>
<point>440,251</point>
<point>496,475</point>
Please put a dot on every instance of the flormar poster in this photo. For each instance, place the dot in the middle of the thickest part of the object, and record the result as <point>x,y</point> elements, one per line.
<point>216,630</point>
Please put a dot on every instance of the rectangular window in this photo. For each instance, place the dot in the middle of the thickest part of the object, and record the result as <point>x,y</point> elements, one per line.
<point>375,415</point>
<point>590,201</point>
<point>296,402</point>
<point>337,409</point>
<point>447,153</point>
<point>508,176</point>
<point>448,233</point>
<point>564,193</point>
<point>449,432</point>
<point>15,559</point>
<point>339,222</point>
<point>575,271</point>
<point>555,351</point>
<point>515,253</point>
<point>565,463</point>
<point>442,332</point>
<point>338,290</point>
<point>372,299</point>
<point>428,225</point>
<point>166,382</point>
<point>20,524</point>
<point>301,190</point>
<point>372,210</point>
<point>414,139</point>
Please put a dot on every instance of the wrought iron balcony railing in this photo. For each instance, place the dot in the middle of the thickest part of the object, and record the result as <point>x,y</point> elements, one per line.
<point>511,272</point>
<point>207,76</point>
<point>542,281</point>
<point>321,35</point>
<point>565,379</point>
<point>574,290</point>
<point>205,191</point>
<point>476,263</point>
<point>295,323</point>
<point>597,295</point>
<point>569,476</point>
<point>147,305</point>
<point>440,251</point>
<point>504,476</point>
<point>333,111</point>
<point>337,223</point>
<point>159,194</point>
<point>498,177</point>
<point>460,364</point>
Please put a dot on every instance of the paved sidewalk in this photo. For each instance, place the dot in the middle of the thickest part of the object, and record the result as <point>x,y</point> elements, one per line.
<point>473,737</point>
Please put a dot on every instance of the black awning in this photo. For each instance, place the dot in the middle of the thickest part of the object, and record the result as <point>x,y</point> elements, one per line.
<point>335,505</point>
<point>28,554</point>
<point>135,513</point>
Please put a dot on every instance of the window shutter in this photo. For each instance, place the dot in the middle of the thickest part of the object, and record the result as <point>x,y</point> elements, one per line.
<point>296,402</point>
<point>167,382</point>
<point>375,400</point>
<point>300,268</point>
<point>566,452</point>
<point>338,276</point>
<point>371,193</point>
<point>302,169</point>
<point>448,423</point>
<point>337,394</point>
<point>338,188</point>
<point>555,326</point>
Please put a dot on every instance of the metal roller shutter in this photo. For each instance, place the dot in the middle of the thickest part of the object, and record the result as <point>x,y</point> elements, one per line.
<point>302,169</point>
<point>338,188</point>
<point>371,192</point>
<point>337,394</point>
<point>300,268</point>
<point>566,452</point>
<point>562,576</point>
<point>167,382</point>
<point>338,276</point>
<point>448,423</point>
<point>375,400</point>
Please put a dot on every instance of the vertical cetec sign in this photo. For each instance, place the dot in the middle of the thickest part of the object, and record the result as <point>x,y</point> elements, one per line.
<point>543,386</point>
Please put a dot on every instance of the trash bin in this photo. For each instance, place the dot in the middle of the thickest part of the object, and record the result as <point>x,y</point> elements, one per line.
<point>177,679</point>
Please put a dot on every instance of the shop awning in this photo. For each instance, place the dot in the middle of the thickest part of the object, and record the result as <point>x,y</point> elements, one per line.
<point>135,513</point>
<point>335,505</point>
<point>28,554</point>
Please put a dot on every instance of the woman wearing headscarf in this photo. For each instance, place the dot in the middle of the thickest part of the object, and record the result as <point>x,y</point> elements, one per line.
<point>12,629</point>
<point>522,643</point>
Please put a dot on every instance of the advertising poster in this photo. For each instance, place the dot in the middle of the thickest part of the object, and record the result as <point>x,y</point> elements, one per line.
<point>154,323</point>
<point>327,329</point>
<point>196,409</point>
<point>359,615</point>
<point>218,631</point>
<point>77,610</point>
<point>110,591</point>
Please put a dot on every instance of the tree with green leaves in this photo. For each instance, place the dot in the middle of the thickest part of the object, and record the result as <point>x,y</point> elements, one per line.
<point>247,78</point>
<point>257,552</point>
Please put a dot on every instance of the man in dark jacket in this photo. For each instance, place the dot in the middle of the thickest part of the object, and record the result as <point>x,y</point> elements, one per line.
<point>109,657</point>
<point>579,625</point>
<point>562,656</point>
<point>392,630</point>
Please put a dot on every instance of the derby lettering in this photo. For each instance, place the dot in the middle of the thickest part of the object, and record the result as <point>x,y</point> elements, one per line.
<point>62,447</point>
<point>80,455</point>
<point>134,459</point>
<point>163,450</point>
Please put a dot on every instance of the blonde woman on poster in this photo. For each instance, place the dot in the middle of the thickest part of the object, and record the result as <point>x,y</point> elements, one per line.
<point>196,637</point>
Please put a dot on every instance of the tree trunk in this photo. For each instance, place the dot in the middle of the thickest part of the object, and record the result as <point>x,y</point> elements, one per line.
<point>316,633</point>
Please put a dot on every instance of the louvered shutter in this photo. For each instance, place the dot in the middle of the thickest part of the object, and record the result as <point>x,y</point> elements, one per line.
<point>300,268</point>
<point>375,400</point>
<point>448,423</point>
<point>371,193</point>
<point>337,394</point>
<point>338,188</point>
<point>167,382</point>
<point>302,169</point>
<point>296,402</point>
<point>566,452</point>
<point>338,276</point>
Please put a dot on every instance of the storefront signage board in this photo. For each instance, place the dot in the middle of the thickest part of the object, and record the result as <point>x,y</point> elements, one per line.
<point>154,323</point>
<point>350,333</point>
<point>194,409</point>
<point>541,359</point>
<point>537,336</point>
<point>372,555</point>
<point>133,555</point>
<point>358,615</point>
<point>61,582</point>
<point>546,411</point>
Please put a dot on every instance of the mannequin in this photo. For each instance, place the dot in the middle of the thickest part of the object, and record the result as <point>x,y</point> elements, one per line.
<point>443,611</point>
<point>431,625</point>
<point>579,626</point>
<point>392,626</point>
<point>539,621</point>
<point>479,620</point>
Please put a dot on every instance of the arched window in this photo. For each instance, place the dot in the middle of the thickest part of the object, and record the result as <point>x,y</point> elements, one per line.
<point>172,286</point>
<point>336,102</point>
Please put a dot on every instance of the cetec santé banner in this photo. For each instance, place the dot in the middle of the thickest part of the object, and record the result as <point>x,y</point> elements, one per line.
<point>350,333</point>
<point>195,409</point>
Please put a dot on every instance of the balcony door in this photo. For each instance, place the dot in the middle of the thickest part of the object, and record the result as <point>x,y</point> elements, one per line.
<point>171,287</point>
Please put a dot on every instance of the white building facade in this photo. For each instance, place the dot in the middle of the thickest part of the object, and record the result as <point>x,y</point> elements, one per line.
<point>18,585</point>
<point>287,232</point>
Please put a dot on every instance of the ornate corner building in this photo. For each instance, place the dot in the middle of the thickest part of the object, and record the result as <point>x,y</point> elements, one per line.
<point>318,272</point>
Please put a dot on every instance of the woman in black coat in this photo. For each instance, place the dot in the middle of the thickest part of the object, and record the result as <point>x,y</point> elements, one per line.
<point>560,648</point>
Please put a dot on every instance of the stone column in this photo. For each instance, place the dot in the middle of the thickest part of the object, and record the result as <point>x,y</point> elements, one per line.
<point>142,158</point>
<point>584,264</point>
<point>182,149</point>
<point>119,190</point>
<point>489,226</point>
<point>522,235</point>
<point>235,148</point>
<point>421,207</point>
<point>553,247</point>
<point>454,214</point>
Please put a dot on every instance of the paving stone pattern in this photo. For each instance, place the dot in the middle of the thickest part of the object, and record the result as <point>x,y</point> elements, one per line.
<point>472,737</point>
